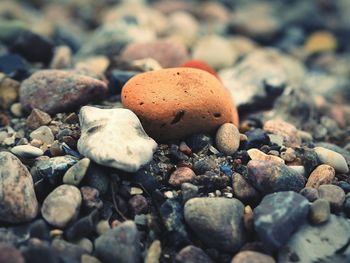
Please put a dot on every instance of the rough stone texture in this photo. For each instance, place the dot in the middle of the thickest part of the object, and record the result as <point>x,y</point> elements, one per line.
<point>181,175</point>
<point>323,174</point>
<point>18,202</point>
<point>174,103</point>
<point>252,257</point>
<point>61,206</point>
<point>278,216</point>
<point>192,254</point>
<point>332,158</point>
<point>55,91</point>
<point>8,91</point>
<point>121,244</point>
<point>114,138</point>
<point>37,118</point>
<point>271,177</point>
<point>44,134</point>
<point>288,131</point>
<point>227,138</point>
<point>321,243</point>
<point>218,222</point>
<point>168,52</point>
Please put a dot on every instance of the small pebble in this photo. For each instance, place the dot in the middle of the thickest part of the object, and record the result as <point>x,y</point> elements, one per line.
<point>188,191</point>
<point>89,259</point>
<point>227,138</point>
<point>323,174</point>
<point>289,155</point>
<point>332,158</point>
<point>256,154</point>
<point>310,193</point>
<point>334,194</point>
<point>76,173</point>
<point>320,211</point>
<point>181,175</point>
<point>27,151</point>
<point>286,130</point>
<point>192,254</point>
<point>154,252</point>
<point>37,118</point>
<point>43,134</point>
<point>138,204</point>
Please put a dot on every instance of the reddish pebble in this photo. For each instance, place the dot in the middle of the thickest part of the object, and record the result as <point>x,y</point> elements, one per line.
<point>181,175</point>
<point>199,64</point>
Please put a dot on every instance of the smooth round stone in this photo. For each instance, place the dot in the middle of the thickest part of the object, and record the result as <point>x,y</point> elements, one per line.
<point>192,254</point>
<point>43,134</point>
<point>332,158</point>
<point>252,257</point>
<point>61,206</point>
<point>27,151</point>
<point>17,196</point>
<point>288,131</point>
<point>227,138</point>
<point>218,222</point>
<point>181,175</point>
<point>320,211</point>
<point>334,194</point>
<point>197,103</point>
<point>256,154</point>
<point>76,173</point>
<point>323,174</point>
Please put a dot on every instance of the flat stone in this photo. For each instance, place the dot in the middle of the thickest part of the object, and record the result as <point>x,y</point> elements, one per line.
<point>252,257</point>
<point>76,173</point>
<point>218,222</point>
<point>332,158</point>
<point>256,154</point>
<point>27,151</point>
<point>334,194</point>
<point>192,254</point>
<point>320,211</point>
<point>120,244</point>
<point>278,216</point>
<point>61,206</point>
<point>129,147</point>
<point>43,134</point>
<point>227,138</point>
<point>17,196</point>
<point>323,174</point>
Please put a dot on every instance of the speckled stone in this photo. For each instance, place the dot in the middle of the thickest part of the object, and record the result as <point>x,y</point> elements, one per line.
<point>44,134</point>
<point>227,138</point>
<point>323,174</point>
<point>332,158</point>
<point>181,175</point>
<point>37,118</point>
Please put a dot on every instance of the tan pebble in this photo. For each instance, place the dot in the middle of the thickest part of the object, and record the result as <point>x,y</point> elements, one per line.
<point>320,41</point>
<point>181,175</point>
<point>323,174</point>
<point>258,155</point>
<point>227,138</point>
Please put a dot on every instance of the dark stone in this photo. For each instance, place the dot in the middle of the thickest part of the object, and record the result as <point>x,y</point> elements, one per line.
<point>14,66</point>
<point>243,191</point>
<point>91,198</point>
<point>256,138</point>
<point>138,204</point>
<point>176,154</point>
<point>67,251</point>
<point>39,229</point>
<point>43,253</point>
<point>97,177</point>
<point>310,193</point>
<point>345,186</point>
<point>203,165</point>
<point>278,216</point>
<point>117,79</point>
<point>310,161</point>
<point>346,206</point>
<point>146,180</point>
<point>192,254</point>
<point>84,227</point>
<point>198,142</point>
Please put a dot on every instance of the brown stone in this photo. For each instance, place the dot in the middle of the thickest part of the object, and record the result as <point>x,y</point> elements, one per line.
<point>181,175</point>
<point>8,92</point>
<point>37,118</point>
<point>323,174</point>
<point>174,103</point>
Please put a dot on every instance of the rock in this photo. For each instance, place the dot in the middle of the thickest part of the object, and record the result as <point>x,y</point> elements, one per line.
<point>62,58</point>
<point>188,191</point>
<point>271,177</point>
<point>129,147</point>
<point>218,222</point>
<point>323,174</point>
<point>227,138</point>
<point>76,173</point>
<point>334,194</point>
<point>90,197</point>
<point>27,151</point>
<point>286,130</point>
<point>16,109</point>
<point>61,206</point>
<point>89,259</point>
<point>190,108</point>
<point>257,155</point>
<point>13,66</point>
<point>309,193</point>
<point>17,196</point>
<point>289,155</point>
<point>334,159</point>
<point>192,254</point>
<point>216,51</point>
<point>320,211</point>
<point>117,79</point>
<point>83,227</point>
<point>181,175</point>
<point>199,64</point>
<point>198,142</point>
<point>317,243</point>
<point>37,118</point>
<point>154,252</point>
<point>242,190</point>
<point>9,254</point>
<point>320,41</point>
<point>8,91</point>
<point>257,138</point>
<point>278,216</point>
<point>168,52</point>
<point>120,244</point>
<point>55,91</point>
<point>44,134</point>
<point>178,21</point>
<point>39,229</point>
<point>252,257</point>
<point>138,204</point>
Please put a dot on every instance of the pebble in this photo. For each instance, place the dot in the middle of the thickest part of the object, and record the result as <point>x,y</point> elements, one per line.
<point>334,194</point>
<point>332,158</point>
<point>16,109</point>
<point>120,244</point>
<point>309,193</point>
<point>216,51</point>
<point>10,254</point>
<point>199,64</point>
<point>37,118</point>
<point>188,191</point>
<point>225,232</point>
<point>289,155</point>
<point>320,211</point>
<point>43,134</point>
<point>17,196</point>
<point>62,58</point>
<point>190,108</point>
<point>242,190</point>
<point>181,175</point>
<point>27,151</point>
<point>257,155</point>
<point>271,177</point>
<point>85,258</point>
<point>66,250</point>
<point>61,206</point>
<point>257,138</point>
<point>83,227</point>
<point>323,174</point>
<point>138,204</point>
<point>168,52</point>
<point>192,254</point>
<point>129,147</point>
<point>8,91</point>
<point>227,138</point>
<point>278,216</point>
<point>154,252</point>
<point>178,21</point>
<point>320,243</point>
<point>90,198</point>
<point>320,41</point>
<point>76,173</point>
<point>252,257</point>
<point>286,130</point>
<point>55,91</point>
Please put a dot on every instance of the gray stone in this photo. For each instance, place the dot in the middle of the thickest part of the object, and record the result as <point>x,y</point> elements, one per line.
<point>192,254</point>
<point>278,216</point>
<point>61,206</point>
<point>27,151</point>
<point>114,138</point>
<point>320,243</point>
<point>227,139</point>
<point>320,211</point>
<point>188,191</point>
<point>242,190</point>
<point>43,134</point>
<point>218,222</point>
<point>17,196</point>
<point>120,244</point>
<point>332,158</point>
<point>76,173</point>
<point>334,194</point>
